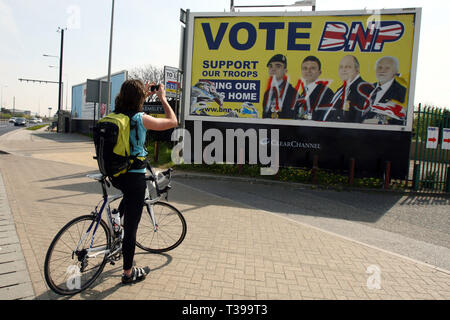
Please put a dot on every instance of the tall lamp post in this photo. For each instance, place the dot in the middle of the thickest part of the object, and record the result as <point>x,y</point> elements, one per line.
<point>60,76</point>
<point>110,55</point>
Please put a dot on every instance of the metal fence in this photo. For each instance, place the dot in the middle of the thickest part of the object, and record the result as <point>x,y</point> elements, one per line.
<point>430,149</point>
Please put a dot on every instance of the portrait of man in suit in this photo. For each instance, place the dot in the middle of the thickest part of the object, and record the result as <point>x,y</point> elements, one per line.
<point>388,95</point>
<point>349,101</point>
<point>313,95</point>
<point>280,94</point>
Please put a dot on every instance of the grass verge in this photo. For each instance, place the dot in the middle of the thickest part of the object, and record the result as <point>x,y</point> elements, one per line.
<point>37,127</point>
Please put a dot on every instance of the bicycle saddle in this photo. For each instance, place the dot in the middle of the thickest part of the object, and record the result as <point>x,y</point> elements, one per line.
<point>96,176</point>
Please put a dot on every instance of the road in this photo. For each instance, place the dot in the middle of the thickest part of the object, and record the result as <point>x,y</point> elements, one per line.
<point>6,127</point>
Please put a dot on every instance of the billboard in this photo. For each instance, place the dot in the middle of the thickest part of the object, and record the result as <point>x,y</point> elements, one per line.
<point>83,110</point>
<point>343,69</point>
<point>338,86</point>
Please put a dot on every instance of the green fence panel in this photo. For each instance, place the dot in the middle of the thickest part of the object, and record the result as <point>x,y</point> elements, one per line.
<point>431,166</point>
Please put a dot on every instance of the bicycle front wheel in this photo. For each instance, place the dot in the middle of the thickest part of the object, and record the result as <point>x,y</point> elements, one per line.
<point>76,257</point>
<point>167,234</point>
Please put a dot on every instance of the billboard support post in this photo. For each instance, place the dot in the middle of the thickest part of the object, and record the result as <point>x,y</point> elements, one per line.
<point>315,168</point>
<point>387,175</point>
<point>351,171</point>
<point>156,153</point>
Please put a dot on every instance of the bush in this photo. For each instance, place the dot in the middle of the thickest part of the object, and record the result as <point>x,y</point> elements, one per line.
<point>299,175</point>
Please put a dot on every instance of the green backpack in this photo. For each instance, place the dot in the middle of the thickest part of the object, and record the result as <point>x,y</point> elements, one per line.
<point>112,145</point>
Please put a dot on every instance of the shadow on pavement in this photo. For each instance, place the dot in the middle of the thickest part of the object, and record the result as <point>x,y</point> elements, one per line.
<point>89,187</point>
<point>355,206</point>
<point>95,292</point>
<point>70,176</point>
<point>63,137</point>
<point>348,205</point>
<point>428,200</point>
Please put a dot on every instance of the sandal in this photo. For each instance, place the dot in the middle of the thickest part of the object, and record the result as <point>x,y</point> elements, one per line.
<point>137,274</point>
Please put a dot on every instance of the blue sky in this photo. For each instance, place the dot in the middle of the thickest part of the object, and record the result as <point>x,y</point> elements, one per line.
<point>148,32</point>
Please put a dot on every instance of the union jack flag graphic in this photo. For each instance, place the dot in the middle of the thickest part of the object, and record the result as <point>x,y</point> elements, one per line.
<point>336,35</point>
<point>391,109</point>
<point>389,31</point>
<point>333,37</point>
<point>361,36</point>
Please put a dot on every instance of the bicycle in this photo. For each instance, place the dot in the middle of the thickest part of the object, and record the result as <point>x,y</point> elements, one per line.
<point>79,251</point>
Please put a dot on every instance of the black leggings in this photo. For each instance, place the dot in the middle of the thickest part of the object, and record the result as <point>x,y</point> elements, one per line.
<point>133,187</point>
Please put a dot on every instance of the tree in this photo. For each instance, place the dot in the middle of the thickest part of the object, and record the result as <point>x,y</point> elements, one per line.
<point>148,73</point>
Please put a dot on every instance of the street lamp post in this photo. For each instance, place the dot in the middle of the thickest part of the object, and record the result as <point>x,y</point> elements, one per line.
<point>60,77</point>
<point>110,55</point>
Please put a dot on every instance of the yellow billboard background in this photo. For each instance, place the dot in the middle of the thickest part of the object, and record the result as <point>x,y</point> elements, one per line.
<point>402,49</point>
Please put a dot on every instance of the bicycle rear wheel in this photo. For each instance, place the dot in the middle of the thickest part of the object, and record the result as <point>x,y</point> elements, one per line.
<point>169,232</point>
<point>69,270</point>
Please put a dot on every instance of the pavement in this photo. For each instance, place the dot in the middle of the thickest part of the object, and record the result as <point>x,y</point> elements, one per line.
<point>233,249</point>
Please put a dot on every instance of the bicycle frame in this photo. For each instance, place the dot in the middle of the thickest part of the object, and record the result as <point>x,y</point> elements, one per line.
<point>107,200</point>
<point>100,250</point>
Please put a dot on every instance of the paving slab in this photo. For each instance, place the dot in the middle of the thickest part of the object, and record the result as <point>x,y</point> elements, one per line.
<point>15,281</point>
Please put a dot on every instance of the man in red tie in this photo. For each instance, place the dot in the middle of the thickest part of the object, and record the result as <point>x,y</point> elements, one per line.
<point>280,94</point>
<point>388,96</point>
<point>314,95</point>
<point>350,99</point>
